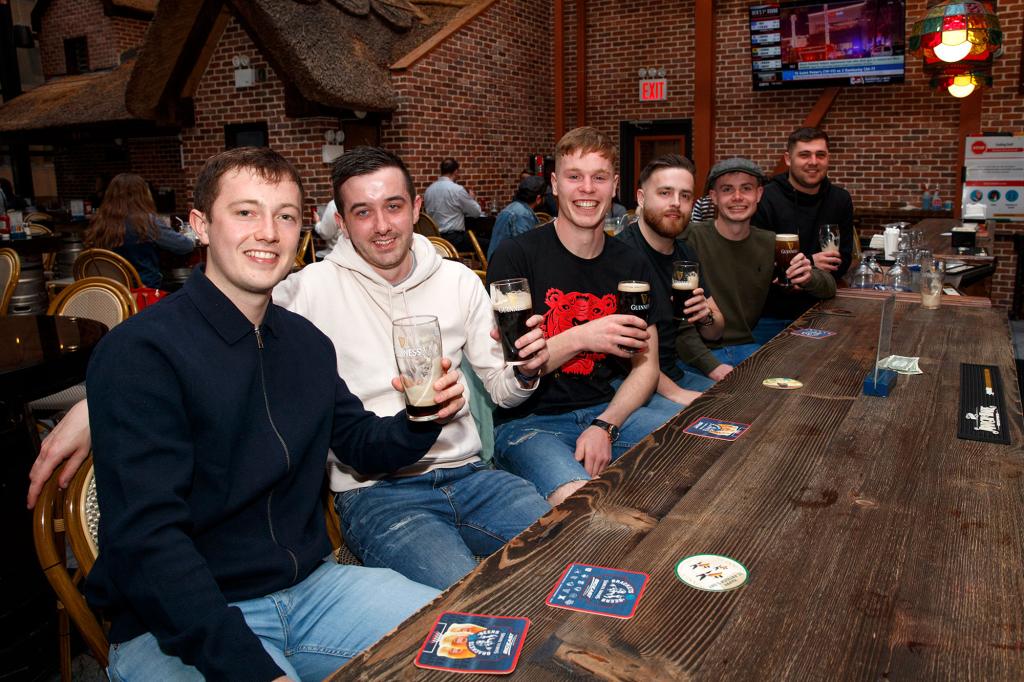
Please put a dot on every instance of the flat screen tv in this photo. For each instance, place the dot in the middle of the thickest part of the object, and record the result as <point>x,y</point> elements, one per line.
<point>810,43</point>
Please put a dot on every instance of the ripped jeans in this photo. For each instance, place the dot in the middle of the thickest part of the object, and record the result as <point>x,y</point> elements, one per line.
<point>541,447</point>
<point>430,527</point>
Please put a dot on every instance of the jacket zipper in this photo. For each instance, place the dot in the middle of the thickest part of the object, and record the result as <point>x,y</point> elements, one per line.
<point>287,455</point>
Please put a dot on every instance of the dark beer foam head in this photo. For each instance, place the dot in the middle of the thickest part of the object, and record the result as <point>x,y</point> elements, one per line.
<point>634,287</point>
<point>787,238</point>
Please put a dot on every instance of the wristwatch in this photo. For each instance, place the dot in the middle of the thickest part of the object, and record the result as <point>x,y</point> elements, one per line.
<point>524,380</point>
<point>708,321</point>
<point>611,429</point>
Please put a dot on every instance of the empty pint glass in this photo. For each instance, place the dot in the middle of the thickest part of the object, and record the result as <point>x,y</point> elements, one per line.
<point>685,278</point>
<point>931,283</point>
<point>634,299</point>
<point>417,342</point>
<point>786,248</point>
<point>510,299</point>
<point>828,236</point>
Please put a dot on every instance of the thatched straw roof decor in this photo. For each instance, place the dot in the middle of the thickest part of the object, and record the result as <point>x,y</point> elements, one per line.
<point>97,97</point>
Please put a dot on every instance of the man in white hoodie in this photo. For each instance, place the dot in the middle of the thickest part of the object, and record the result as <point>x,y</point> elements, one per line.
<point>429,520</point>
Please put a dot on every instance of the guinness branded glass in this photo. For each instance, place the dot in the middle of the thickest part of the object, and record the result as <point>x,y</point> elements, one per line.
<point>685,278</point>
<point>510,299</point>
<point>634,299</point>
<point>786,247</point>
<point>417,342</point>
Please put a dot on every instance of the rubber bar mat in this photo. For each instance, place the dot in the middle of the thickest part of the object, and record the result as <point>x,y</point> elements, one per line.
<point>982,412</point>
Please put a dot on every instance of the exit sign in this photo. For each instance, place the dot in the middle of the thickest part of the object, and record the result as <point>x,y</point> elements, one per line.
<point>653,89</point>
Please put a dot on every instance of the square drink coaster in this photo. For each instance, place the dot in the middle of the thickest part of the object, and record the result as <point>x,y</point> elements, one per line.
<point>597,589</point>
<point>473,643</point>
<point>709,427</point>
<point>982,413</point>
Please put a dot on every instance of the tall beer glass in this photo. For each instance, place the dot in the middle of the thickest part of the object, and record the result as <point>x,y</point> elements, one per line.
<point>634,299</point>
<point>417,341</point>
<point>786,247</point>
<point>828,236</point>
<point>510,299</point>
<point>685,278</point>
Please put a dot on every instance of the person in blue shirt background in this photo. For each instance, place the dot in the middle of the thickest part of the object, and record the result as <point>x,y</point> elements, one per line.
<point>126,223</point>
<point>518,217</point>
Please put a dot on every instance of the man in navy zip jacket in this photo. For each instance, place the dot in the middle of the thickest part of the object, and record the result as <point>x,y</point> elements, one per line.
<point>212,414</point>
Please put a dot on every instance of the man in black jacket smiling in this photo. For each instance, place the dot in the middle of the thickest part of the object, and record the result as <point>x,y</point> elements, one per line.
<point>211,416</point>
<point>803,199</point>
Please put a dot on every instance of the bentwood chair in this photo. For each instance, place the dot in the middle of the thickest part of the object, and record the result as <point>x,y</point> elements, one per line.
<point>542,217</point>
<point>10,271</point>
<point>478,253</point>
<point>62,517</point>
<point>445,248</point>
<point>37,230</point>
<point>38,217</point>
<point>305,244</point>
<point>95,298</point>
<point>104,263</point>
<point>426,226</point>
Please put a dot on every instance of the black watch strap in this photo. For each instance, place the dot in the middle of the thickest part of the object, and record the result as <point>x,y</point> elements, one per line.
<point>611,429</point>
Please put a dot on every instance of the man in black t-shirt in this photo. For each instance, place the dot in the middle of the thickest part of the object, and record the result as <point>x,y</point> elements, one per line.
<point>577,421</point>
<point>664,202</point>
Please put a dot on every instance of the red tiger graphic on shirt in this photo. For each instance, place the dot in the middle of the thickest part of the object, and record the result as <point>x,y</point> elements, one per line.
<point>567,310</point>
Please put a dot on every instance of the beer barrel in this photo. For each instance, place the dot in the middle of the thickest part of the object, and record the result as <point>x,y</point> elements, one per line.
<point>71,246</point>
<point>29,296</point>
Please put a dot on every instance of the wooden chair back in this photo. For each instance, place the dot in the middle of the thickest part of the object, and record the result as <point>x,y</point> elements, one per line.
<point>543,217</point>
<point>305,244</point>
<point>104,263</point>
<point>477,251</point>
<point>10,271</point>
<point>38,217</point>
<point>37,230</point>
<point>58,517</point>
<point>426,226</point>
<point>96,298</point>
<point>444,247</point>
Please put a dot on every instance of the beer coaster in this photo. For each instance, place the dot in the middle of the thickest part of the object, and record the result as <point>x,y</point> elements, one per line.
<point>711,572</point>
<point>810,333</point>
<point>473,643</point>
<point>784,384</point>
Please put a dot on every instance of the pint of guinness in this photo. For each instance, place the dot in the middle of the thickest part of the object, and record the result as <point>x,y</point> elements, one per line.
<point>417,341</point>
<point>685,278</point>
<point>786,248</point>
<point>634,299</point>
<point>510,299</point>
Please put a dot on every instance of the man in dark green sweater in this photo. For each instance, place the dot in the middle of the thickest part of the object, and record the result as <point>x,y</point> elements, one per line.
<point>738,259</point>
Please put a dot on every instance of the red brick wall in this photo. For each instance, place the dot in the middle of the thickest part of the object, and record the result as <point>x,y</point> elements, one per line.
<point>218,102</point>
<point>128,33</point>
<point>158,159</point>
<point>69,19</point>
<point>484,97</point>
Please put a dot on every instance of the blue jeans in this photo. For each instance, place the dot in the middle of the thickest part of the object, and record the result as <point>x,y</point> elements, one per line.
<point>310,629</point>
<point>431,527</point>
<point>541,447</point>
<point>734,355</point>
<point>768,328</point>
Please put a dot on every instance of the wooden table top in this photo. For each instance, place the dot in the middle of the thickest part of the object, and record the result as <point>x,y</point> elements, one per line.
<point>878,544</point>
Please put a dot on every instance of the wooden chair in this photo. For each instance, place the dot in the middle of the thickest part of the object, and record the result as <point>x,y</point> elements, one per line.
<point>71,516</point>
<point>305,244</point>
<point>38,217</point>
<point>10,271</point>
<point>37,230</point>
<point>444,247</point>
<point>96,298</point>
<point>478,253</point>
<point>104,263</point>
<point>542,217</point>
<point>482,274</point>
<point>426,226</point>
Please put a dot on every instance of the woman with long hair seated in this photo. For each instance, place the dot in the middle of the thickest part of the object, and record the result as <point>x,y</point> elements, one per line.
<point>126,223</point>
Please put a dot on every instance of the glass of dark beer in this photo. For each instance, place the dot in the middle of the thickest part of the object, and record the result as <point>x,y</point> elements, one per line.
<point>786,247</point>
<point>634,299</point>
<point>510,299</point>
<point>685,278</point>
<point>417,342</point>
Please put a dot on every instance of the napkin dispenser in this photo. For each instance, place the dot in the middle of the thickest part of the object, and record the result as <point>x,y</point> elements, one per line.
<point>965,236</point>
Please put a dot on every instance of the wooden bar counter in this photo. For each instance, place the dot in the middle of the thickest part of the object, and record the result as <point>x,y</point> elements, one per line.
<point>878,544</point>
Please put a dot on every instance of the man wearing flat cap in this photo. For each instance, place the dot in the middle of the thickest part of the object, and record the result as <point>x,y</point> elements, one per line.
<point>738,259</point>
